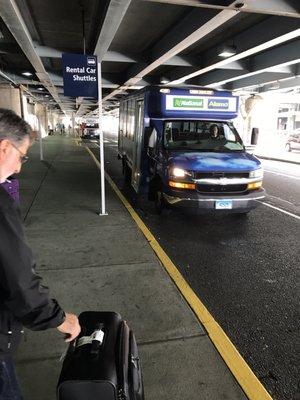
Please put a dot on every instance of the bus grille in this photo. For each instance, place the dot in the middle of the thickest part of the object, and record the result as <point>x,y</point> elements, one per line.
<point>211,175</point>
<point>221,189</point>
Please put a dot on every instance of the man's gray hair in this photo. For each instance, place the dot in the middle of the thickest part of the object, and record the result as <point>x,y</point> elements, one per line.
<point>12,127</point>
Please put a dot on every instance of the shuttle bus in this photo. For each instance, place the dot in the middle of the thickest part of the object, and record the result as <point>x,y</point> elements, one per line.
<point>180,147</point>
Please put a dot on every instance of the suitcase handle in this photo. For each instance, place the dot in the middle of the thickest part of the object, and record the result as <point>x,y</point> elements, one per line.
<point>97,340</point>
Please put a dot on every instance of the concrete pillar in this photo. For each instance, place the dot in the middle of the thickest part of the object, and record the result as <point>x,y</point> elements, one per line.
<point>41,113</point>
<point>264,117</point>
<point>10,98</point>
<point>258,112</point>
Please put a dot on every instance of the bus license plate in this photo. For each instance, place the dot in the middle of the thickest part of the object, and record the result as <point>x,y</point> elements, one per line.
<point>223,205</point>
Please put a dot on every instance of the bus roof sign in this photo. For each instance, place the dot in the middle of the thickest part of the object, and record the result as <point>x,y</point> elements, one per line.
<point>201,103</point>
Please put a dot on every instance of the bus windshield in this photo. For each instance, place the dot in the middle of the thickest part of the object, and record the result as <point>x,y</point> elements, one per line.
<point>217,136</point>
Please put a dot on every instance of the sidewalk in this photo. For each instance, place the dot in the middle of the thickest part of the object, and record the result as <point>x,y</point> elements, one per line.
<point>279,155</point>
<point>105,263</point>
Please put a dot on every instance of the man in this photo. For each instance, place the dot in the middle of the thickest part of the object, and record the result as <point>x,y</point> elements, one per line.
<point>214,131</point>
<point>24,301</point>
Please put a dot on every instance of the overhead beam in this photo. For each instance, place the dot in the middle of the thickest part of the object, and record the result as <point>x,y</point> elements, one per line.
<point>57,80</point>
<point>235,65</point>
<point>8,77</point>
<point>256,39</point>
<point>280,59</point>
<point>114,56</point>
<point>113,18</point>
<point>178,61</point>
<point>270,7</point>
<point>167,49</point>
<point>261,79</point>
<point>218,77</point>
<point>293,83</point>
<point>109,56</point>
<point>13,19</point>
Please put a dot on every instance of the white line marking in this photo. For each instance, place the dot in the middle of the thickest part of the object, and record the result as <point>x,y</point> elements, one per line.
<point>278,198</point>
<point>281,210</point>
<point>277,173</point>
<point>110,147</point>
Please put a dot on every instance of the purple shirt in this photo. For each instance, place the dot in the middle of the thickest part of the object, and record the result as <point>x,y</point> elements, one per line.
<point>12,187</point>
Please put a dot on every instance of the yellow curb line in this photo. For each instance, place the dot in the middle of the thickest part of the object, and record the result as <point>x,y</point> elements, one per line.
<point>235,362</point>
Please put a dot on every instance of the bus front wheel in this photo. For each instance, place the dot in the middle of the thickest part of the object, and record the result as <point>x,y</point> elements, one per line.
<point>159,201</point>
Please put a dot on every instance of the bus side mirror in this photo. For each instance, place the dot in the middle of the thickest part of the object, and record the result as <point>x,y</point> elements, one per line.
<point>254,136</point>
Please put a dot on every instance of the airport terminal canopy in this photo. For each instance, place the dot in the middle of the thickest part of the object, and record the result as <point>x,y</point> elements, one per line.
<point>250,46</point>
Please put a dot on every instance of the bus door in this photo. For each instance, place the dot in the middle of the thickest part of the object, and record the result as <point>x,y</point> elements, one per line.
<point>138,139</point>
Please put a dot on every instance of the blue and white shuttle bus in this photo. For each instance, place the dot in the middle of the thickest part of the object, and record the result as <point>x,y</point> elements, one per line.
<point>180,147</point>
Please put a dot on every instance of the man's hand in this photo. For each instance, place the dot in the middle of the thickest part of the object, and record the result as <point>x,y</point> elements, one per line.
<point>70,327</point>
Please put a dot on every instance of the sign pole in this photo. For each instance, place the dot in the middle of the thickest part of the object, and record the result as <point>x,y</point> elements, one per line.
<point>80,77</point>
<point>103,211</point>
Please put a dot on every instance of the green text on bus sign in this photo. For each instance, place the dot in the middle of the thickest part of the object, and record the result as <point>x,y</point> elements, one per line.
<point>180,102</point>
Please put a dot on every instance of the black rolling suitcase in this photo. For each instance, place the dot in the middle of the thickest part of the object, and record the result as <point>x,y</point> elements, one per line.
<point>103,362</point>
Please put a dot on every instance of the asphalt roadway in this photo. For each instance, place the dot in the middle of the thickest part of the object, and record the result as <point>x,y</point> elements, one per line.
<point>245,270</point>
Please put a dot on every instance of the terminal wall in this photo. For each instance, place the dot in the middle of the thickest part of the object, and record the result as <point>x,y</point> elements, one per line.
<point>10,98</point>
<point>39,117</point>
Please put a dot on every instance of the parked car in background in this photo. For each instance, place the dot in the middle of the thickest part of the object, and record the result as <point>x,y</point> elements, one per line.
<point>91,131</point>
<point>293,141</point>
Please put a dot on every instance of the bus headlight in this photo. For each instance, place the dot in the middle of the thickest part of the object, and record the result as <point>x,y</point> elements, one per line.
<point>178,172</point>
<point>257,173</point>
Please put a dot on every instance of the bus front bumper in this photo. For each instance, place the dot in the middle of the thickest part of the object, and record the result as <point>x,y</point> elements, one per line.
<point>237,203</point>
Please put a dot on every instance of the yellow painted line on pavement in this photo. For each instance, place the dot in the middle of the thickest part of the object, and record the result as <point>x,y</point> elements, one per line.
<point>77,141</point>
<point>235,362</point>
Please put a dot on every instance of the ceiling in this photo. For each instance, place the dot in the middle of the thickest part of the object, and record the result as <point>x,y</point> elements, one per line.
<point>142,42</point>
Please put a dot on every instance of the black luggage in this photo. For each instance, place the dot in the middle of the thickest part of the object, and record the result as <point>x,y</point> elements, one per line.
<point>103,362</point>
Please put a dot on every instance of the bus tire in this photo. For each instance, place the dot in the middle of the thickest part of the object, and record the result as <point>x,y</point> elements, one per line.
<point>127,174</point>
<point>152,189</point>
<point>159,201</point>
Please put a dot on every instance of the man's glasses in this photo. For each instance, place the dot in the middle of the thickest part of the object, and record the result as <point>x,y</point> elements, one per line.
<point>23,157</point>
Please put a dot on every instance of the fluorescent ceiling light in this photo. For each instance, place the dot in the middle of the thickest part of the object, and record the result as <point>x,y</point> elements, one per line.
<point>27,73</point>
<point>40,88</point>
<point>226,54</point>
<point>227,51</point>
<point>164,80</point>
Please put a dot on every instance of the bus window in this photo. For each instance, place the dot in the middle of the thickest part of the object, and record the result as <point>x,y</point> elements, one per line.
<point>132,118</point>
<point>201,135</point>
<point>229,135</point>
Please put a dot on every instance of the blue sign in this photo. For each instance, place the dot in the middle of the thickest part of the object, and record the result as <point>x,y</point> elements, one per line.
<point>218,103</point>
<point>80,75</point>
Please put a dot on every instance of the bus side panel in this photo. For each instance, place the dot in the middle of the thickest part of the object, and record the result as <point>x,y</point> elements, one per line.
<point>138,144</point>
<point>131,131</point>
<point>126,130</point>
<point>121,129</point>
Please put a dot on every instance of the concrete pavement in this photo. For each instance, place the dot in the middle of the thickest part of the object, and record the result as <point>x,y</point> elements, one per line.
<point>105,263</point>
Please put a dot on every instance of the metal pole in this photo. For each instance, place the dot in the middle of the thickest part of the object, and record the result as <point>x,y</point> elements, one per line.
<point>41,142</point>
<point>73,124</point>
<point>103,211</point>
